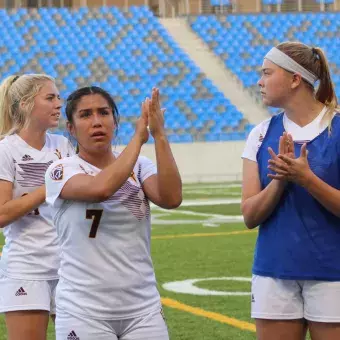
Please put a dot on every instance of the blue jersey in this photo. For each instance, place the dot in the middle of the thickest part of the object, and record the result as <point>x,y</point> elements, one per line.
<point>301,239</point>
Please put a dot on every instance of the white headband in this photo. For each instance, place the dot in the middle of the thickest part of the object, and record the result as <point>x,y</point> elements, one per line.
<point>283,60</point>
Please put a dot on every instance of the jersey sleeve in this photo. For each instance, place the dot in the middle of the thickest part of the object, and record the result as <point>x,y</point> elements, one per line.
<point>7,166</point>
<point>146,168</point>
<point>254,141</point>
<point>56,177</point>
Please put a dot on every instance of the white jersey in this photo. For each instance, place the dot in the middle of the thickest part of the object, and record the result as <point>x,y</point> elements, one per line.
<point>106,270</point>
<point>31,249</point>
<point>300,134</point>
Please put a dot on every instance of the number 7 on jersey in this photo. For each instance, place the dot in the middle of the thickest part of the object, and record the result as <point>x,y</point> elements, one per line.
<point>95,215</point>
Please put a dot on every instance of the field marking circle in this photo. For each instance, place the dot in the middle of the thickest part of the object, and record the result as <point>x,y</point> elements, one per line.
<point>188,286</point>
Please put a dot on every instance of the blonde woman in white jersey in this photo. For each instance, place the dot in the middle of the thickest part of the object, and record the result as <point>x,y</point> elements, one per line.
<point>29,106</point>
<point>100,207</point>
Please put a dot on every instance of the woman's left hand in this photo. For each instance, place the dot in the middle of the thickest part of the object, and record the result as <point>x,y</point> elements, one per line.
<point>155,114</point>
<point>294,170</point>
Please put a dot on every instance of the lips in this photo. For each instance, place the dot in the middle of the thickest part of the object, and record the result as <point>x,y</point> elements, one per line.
<point>98,134</point>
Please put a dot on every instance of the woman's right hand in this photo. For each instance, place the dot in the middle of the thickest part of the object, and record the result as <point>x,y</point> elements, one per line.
<point>141,131</point>
<point>286,148</point>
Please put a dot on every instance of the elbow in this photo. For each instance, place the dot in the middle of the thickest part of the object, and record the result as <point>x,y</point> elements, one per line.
<point>248,217</point>
<point>249,223</point>
<point>3,222</point>
<point>172,203</point>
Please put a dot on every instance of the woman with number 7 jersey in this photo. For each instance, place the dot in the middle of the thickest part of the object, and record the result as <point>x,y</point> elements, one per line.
<point>100,206</point>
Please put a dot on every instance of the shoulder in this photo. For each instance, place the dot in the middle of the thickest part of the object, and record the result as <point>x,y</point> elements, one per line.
<point>56,140</point>
<point>6,145</point>
<point>260,130</point>
<point>62,168</point>
<point>65,162</point>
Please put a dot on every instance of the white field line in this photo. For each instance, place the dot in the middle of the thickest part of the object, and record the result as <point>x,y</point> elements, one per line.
<point>201,202</point>
<point>212,186</point>
<point>212,218</point>
<point>212,192</point>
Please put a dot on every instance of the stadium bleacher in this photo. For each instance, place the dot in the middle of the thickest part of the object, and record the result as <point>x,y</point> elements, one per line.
<point>241,41</point>
<point>126,53</point>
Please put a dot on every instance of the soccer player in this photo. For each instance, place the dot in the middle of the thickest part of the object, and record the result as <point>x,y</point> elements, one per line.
<point>100,207</point>
<point>29,106</point>
<point>294,197</point>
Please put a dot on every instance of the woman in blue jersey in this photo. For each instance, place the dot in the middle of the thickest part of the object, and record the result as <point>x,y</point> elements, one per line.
<point>100,206</point>
<point>291,182</point>
<point>29,106</point>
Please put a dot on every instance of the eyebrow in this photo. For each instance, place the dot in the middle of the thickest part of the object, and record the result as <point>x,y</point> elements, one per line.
<point>53,95</point>
<point>99,108</point>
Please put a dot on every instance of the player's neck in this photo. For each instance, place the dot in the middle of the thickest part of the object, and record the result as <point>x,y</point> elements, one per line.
<point>99,159</point>
<point>34,138</point>
<point>303,109</point>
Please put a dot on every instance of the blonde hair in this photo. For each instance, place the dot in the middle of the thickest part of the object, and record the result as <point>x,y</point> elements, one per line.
<point>314,60</point>
<point>17,101</point>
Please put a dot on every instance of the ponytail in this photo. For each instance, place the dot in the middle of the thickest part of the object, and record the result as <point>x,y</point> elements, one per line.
<point>314,60</point>
<point>326,91</point>
<point>6,106</point>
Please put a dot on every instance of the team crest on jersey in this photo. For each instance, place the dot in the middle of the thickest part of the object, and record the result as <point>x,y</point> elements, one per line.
<point>58,153</point>
<point>57,172</point>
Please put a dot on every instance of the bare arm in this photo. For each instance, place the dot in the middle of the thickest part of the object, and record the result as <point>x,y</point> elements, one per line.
<point>100,187</point>
<point>165,188</point>
<point>258,205</point>
<point>13,209</point>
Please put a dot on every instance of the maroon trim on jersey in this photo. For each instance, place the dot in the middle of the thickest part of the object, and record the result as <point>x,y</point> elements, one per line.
<point>33,174</point>
<point>127,195</point>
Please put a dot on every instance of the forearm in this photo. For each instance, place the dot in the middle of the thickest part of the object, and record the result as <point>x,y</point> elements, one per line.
<point>169,179</point>
<point>108,181</point>
<point>326,195</point>
<point>19,207</point>
<point>259,207</point>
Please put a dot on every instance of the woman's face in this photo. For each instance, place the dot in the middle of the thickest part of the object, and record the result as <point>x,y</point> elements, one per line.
<point>93,123</point>
<point>275,84</point>
<point>47,106</point>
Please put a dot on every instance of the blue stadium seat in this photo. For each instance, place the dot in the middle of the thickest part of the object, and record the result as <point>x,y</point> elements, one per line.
<point>127,56</point>
<point>243,40</point>
<point>272,2</point>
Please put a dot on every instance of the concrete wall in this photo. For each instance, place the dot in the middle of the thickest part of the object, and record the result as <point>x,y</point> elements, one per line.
<point>204,162</point>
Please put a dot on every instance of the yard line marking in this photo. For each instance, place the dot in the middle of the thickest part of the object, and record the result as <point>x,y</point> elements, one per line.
<point>200,202</point>
<point>212,186</point>
<point>196,213</point>
<point>166,237</point>
<point>247,326</point>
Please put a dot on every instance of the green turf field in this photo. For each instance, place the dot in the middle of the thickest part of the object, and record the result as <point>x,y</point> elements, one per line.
<point>205,238</point>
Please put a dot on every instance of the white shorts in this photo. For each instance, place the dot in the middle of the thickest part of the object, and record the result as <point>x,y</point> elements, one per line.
<point>149,327</point>
<point>21,295</point>
<point>277,299</point>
